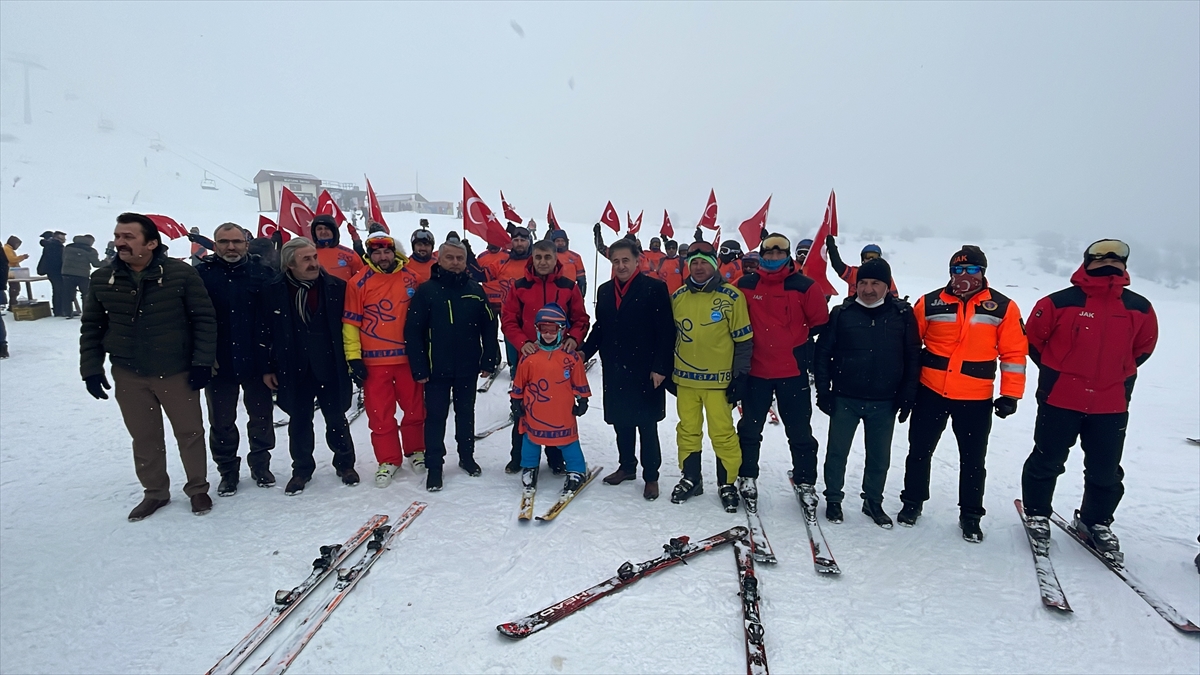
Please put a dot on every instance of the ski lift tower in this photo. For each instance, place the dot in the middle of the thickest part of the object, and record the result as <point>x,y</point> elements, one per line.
<point>30,62</point>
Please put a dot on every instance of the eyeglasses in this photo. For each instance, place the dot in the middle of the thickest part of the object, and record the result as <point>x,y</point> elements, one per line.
<point>1108,248</point>
<point>966,269</point>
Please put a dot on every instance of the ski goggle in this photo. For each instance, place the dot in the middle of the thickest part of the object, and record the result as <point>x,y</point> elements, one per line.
<point>701,248</point>
<point>870,255</point>
<point>776,242</point>
<point>1108,248</point>
<point>377,243</point>
<point>422,235</point>
<point>726,250</point>
<point>966,269</point>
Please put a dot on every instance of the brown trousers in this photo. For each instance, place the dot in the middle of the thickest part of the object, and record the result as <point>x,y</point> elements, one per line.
<point>142,401</point>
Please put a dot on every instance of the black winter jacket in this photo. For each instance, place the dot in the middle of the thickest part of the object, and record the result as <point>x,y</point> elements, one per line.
<point>159,326</point>
<point>450,330</point>
<point>278,349</point>
<point>79,257</point>
<point>236,293</point>
<point>50,264</point>
<point>871,354</point>
<point>633,341</point>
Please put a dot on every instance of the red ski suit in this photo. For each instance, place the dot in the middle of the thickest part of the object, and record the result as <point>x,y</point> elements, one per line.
<point>532,293</point>
<point>785,307</point>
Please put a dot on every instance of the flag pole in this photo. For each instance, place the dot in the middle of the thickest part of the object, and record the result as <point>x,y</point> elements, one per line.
<point>596,280</point>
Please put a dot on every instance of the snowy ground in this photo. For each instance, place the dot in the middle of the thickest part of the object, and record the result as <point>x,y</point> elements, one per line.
<point>82,590</point>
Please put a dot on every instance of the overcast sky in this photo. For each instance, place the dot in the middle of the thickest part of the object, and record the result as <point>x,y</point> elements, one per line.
<point>984,118</point>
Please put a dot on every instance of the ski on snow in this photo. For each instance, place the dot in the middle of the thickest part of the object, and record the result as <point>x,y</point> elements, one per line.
<point>1051,591</point>
<point>748,589</point>
<point>822,558</point>
<point>758,536</point>
<point>485,383</point>
<point>565,498</point>
<point>674,552</point>
<point>286,601</point>
<point>1173,617</point>
<point>488,431</point>
<point>381,538</point>
<point>525,514</point>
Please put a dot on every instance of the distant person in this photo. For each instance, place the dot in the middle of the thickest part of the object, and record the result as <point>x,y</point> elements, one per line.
<point>802,250</point>
<point>152,317</point>
<point>3,301</point>
<point>339,261</point>
<point>50,266</point>
<point>571,261</point>
<point>1088,341</point>
<point>504,269</point>
<point>235,280</point>
<point>14,260</point>
<point>78,259</point>
<point>651,257</point>
<point>671,268</point>
<point>302,357</point>
<point>731,261</point>
<point>849,273</point>
<point>423,257</point>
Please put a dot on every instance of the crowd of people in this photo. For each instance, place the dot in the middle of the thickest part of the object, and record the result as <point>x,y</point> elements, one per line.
<point>717,329</point>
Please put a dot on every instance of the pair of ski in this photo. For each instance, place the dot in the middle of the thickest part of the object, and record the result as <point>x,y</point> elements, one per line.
<point>564,498</point>
<point>1052,592</point>
<point>379,537</point>
<point>485,384</point>
<point>822,560</point>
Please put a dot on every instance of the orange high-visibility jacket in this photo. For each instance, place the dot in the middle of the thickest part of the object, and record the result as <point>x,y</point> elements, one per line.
<point>963,341</point>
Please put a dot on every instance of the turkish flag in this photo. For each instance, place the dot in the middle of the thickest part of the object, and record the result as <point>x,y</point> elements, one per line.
<point>666,230</point>
<point>635,226</point>
<point>709,219</point>
<point>327,207</point>
<point>610,218</point>
<point>509,214</point>
<point>717,239</point>
<point>267,227</point>
<point>752,229</point>
<point>815,265</point>
<point>551,219</point>
<point>479,220</point>
<point>167,225</point>
<point>376,212</point>
<point>294,215</point>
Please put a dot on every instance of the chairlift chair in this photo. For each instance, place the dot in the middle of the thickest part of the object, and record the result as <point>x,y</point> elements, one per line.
<point>208,183</point>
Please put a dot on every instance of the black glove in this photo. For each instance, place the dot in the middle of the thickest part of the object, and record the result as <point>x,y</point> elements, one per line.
<point>358,371</point>
<point>192,237</point>
<point>1005,406</point>
<point>580,407</point>
<point>830,244</point>
<point>596,229</point>
<point>518,408</point>
<point>825,403</point>
<point>96,384</point>
<point>736,391</point>
<point>903,410</point>
<point>199,377</point>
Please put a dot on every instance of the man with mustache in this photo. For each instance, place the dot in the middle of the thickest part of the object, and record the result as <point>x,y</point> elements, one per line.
<point>151,315</point>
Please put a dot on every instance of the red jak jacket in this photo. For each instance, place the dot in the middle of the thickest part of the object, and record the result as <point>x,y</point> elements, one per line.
<point>532,293</point>
<point>785,306</point>
<point>1088,341</point>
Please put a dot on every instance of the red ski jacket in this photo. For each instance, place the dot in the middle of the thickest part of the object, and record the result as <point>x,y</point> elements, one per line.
<point>785,308</point>
<point>532,293</point>
<point>1088,341</point>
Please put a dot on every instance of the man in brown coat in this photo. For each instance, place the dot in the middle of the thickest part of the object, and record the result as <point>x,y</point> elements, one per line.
<point>153,317</point>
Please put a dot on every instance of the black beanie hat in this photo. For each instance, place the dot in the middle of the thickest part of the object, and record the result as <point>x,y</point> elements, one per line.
<point>967,255</point>
<point>876,268</point>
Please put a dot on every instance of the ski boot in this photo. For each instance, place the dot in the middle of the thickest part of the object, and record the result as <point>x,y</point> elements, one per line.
<point>971,532</point>
<point>1039,531</point>
<point>417,460</point>
<point>833,512</point>
<point>875,510</point>
<point>909,514</point>
<point>573,483</point>
<point>529,478</point>
<point>1101,538</point>
<point>383,477</point>
<point>686,489</point>
<point>808,495</point>
<point>729,498</point>
<point>748,488</point>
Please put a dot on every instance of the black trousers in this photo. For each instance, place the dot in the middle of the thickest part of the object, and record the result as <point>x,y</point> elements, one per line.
<point>1103,440</point>
<point>795,409</point>
<point>554,455</point>
<point>71,285</point>
<point>60,306</point>
<point>651,450</point>
<point>302,440</point>
<point>972,423</point>
<point>223,439</point>
<point>438,393</point>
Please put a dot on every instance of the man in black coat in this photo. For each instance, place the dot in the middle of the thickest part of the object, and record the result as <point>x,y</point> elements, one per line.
<point>450,335</point>
<point>867,367</point>
<point>302,357</point>
<point>50,266</point>
<point>635,335</point>
<point>235,280</point>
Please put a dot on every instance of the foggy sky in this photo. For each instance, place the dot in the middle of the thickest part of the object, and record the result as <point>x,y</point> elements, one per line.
<point>968,117</point>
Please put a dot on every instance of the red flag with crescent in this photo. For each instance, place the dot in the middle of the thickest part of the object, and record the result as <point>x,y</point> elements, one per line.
<point>717,239</point>
<point>327,207</point>
<point>294,214</point>
<point>509,214</point>
<point>666,230</point>
<point>635,226</point>
<point>479,220</point>
<point>267,227</point>
<point>551,219</point>
<point>709,219</point>
<point>167,225</point>
<point>610,218</point>
<point>816,264</point>
<point>752,229</point>
<point>376,212</point>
